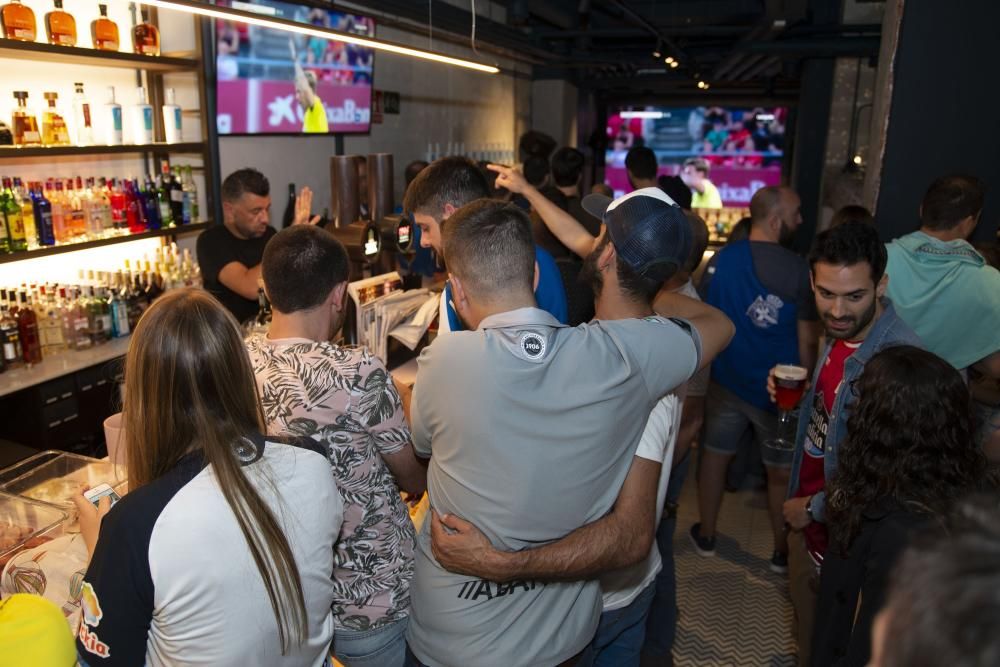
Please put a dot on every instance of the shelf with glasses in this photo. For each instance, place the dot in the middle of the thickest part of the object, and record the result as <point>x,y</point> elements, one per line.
<point>75,55</point>
<point>182,230</point>
<point>63,151</point>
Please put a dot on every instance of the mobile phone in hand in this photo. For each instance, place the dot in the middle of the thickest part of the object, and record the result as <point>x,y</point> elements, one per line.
<point>95,494</point>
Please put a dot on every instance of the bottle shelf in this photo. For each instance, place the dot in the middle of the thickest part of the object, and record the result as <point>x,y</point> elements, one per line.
<point>75,55</point>
<point>182,230</point>
<point>8,152</point>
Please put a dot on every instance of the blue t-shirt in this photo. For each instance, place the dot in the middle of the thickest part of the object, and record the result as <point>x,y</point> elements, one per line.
<point>550,294</point>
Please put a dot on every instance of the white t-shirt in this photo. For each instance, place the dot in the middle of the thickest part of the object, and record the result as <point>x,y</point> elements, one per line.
<point>172,580</point>
<point>621,587</point>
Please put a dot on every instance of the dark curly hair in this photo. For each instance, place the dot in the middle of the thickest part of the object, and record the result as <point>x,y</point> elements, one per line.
<point>850,243</point>
<point>909,439</point>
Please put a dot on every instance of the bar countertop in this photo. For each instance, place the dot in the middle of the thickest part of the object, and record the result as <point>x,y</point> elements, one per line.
<point>63,364</point>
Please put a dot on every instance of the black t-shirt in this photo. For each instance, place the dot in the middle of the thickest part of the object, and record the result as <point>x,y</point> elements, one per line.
<point>781,271</point>
<point>217,247</point>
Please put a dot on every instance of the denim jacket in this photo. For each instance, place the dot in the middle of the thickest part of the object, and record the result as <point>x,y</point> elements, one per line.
<point>888,330</point>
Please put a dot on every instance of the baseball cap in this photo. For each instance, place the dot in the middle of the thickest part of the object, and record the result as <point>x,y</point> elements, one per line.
<point>649,230</point>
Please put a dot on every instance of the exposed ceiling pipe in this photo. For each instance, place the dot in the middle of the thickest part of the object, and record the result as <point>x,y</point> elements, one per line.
<point>826,47</point>
<point>640,20</point>
<point>760,67</point>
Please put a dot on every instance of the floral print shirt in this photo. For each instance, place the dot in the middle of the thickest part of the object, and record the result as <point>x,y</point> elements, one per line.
<point>345,399</point>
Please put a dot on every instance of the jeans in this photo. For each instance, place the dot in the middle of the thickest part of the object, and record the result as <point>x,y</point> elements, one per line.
<point>661,625</point>
<point>385,646</point>
<point>618,642</point>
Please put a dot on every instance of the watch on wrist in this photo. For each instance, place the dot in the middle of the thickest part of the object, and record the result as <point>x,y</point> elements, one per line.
<point>809,510</point>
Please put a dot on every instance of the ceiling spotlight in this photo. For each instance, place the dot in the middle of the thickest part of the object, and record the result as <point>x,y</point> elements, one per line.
<point>669,60</point>
<point>674,65</point>
<point>857,160</point>
<point>656,52</point>
<point>703,85</point>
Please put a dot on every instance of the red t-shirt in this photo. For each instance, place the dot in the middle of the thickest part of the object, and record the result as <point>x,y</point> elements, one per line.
<point>811,477</point>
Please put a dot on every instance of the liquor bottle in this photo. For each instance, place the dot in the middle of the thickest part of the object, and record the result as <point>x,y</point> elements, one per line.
<point>104,31</point>
<point>133,299</point>
<point>65,318</point>
<point>172,121</point>
<point>60,211</point>
<point>119,307</point>
<point>289,215</point>
<point>77,213</point>
<point>42,208</point>
<point>27,329</point>
<point>102,199</point>
<point>82,119</point>
<point>4,232</point>
<point>192,190</point>
<point>27,214</point>
<point>10,337</point>
<point>18,21</point>
<point>92,210</point>
<point>81,323</point>
<point>6,136</point>
<point>25,124</point>
<point>54,130</point>
<point>110,123</point>
<point>145,35</point>
<point>60,26</point>
<point>141,118</point>
<point>118,207</point>
<point>180,215</point>
<point>151,205</point>
<point>133,209</point>
<point>11,207</point>
<point>103,315</point>
<point>50,331</point>
<point>163,199</point>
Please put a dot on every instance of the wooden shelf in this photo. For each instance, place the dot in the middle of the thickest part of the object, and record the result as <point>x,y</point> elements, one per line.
<point>75,55</point>
<point>61,151</point>
<point>83,245</point>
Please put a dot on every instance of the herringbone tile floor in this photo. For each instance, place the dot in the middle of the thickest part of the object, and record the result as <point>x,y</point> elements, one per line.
<point>733,610</point>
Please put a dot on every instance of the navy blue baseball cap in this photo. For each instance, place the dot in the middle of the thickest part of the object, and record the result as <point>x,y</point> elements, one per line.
<point>650,232</point>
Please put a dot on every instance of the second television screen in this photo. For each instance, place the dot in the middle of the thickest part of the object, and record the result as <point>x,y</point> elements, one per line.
<point>742,146</point>
<point>277,82</point>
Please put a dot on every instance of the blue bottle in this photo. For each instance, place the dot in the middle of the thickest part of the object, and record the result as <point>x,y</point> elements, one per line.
<point>43,216</point>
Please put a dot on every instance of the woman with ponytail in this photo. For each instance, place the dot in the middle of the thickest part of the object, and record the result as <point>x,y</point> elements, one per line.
<point>222,551</point>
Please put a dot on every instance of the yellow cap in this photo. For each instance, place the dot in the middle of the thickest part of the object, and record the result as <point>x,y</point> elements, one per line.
<point>33,631</point>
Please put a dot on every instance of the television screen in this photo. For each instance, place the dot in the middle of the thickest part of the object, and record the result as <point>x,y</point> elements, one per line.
<point>742,147</point>
<point>277,82</point>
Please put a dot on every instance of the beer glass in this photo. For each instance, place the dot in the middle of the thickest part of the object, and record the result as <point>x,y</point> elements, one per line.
<point>789,385</point>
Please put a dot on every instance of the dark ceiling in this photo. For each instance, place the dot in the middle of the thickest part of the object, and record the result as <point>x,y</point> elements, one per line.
<point>737,46</point>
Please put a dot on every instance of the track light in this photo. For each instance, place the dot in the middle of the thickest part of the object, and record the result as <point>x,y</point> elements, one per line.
<point>674,64</point>
<point>669,60</point>
<point>657,52</point>
<point>248,18</point>
<point>703,85</point>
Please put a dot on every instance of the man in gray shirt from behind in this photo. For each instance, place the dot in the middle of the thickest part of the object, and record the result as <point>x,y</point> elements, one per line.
<point>532,426</point>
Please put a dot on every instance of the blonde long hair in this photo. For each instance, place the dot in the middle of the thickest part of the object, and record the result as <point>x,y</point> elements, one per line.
<point>189,387</point>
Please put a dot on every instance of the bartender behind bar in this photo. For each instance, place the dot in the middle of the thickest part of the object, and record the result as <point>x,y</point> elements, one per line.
<point>230,254</point>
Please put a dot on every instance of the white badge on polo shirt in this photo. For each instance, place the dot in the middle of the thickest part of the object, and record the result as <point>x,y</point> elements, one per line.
<point>532,346</point>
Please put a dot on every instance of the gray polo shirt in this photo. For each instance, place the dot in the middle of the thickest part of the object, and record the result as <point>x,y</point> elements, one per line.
<point>532,426</point>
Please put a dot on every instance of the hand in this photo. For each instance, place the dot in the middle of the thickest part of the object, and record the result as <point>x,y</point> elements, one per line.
<point>510,179</point>
<point>303,207</point>
<point>90,518</point>
<point>795,513</point>
<point>411,499</point>
<point>459,546</point>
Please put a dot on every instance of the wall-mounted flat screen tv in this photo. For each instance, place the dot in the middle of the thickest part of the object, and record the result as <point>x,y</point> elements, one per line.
<point>743,147</point>
<point>277,82</point>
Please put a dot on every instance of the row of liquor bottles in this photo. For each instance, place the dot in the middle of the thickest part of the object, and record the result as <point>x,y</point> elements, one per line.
<point>73,210</point>
<point>92,124</point>
<point>40,321</point>
<point>19,23</point>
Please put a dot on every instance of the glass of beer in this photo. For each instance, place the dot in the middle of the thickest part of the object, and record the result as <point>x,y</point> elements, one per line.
<point>789,385</point>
